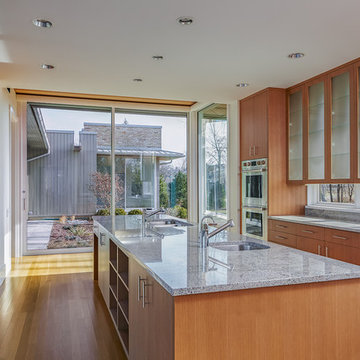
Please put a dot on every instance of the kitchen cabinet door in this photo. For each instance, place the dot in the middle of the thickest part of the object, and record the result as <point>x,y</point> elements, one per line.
<point>316,131</point>
<point>295,136</point>
<point>340,125</point>
<point>310,245</point>
<point>260,126</point>
<point>246,129</point>
<point>151,317</point>
<point>340,252</point>
<point>103,264</point>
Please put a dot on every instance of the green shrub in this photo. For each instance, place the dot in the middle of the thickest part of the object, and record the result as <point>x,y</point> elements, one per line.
<point>120,211</point>
<point>79,231</point>
<point>135,212</point>
<point>181,212</point>
<point>103,212</point>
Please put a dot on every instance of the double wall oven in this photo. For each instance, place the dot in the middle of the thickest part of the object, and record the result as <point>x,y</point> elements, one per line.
<point>254,198</point>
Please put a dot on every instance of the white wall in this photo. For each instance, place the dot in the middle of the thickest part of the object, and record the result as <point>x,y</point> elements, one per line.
<point>6,100</point>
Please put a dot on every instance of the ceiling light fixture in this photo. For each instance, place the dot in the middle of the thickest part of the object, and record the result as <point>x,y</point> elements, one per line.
<point>42,23</point>
<point>185,20</point>
<point>296,55</point>
<point>137,80</point>
<point>243,84</point>
<point>47,66</point>
<point>158,57</point>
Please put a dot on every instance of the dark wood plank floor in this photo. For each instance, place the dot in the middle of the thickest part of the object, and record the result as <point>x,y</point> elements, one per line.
<point>55,317</point>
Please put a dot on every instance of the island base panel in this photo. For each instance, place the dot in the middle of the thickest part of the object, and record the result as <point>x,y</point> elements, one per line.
<point>307,321</point>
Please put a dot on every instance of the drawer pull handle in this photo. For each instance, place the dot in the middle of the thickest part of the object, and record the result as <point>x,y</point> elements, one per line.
<point>282,226</point>
<point>339,237</point>
<point>280,237</point>
<point>319,249</point>
<point>139,296</point>
<point>308,231</point>
<point>102,242</point>
<point>326,252</point>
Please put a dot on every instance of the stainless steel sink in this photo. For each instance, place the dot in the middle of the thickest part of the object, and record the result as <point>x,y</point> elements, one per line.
<point>161,223</point>
<point>239,246</point>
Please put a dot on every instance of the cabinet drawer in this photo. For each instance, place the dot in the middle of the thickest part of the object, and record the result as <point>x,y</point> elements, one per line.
<point>313,232</point>
<point>342,237</point>
<point>282,238</point>
<point>283,226</point>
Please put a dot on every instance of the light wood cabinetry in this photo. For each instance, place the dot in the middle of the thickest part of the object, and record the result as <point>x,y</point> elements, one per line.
<point>336,244</point>
<point>329,149</point>
<point>151,317</point>
<point>253,127</point>
<point>263,134</point>
<point>103,264</point>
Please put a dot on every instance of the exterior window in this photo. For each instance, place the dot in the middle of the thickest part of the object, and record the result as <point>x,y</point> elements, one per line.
<point>337,193</point>
<point>213,147</point>
<point>140,183</point>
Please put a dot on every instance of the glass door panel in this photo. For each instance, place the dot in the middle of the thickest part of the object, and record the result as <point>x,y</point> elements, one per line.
<point>295,136</point>
<point>340,126</point>
<point>316,152</point>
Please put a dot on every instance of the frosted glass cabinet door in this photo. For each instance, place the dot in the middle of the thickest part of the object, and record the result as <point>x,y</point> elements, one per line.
<point>316,149</point>
<point>295,136</point>
<point>340,126</point>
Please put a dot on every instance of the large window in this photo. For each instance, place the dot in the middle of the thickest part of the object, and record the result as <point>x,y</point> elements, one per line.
<point>337,193</point>
<point>213,146</point>
<point>72,176</point>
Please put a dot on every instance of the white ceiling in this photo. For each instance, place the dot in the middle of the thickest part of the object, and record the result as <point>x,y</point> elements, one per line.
<point>99,46</point>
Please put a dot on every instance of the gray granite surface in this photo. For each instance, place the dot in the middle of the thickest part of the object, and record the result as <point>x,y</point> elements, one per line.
<point>322,222</point>
<point>175,260</point>
<point>344,214</point>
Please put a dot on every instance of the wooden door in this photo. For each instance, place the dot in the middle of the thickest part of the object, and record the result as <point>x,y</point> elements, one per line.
<point>260,125</point>
<point>343,253</point>
<point>138,321</point>
<point>246,128</point>
<point>103,265</point>
<point>151,317</point>
<point>310,245</point>
<point>160,314</point>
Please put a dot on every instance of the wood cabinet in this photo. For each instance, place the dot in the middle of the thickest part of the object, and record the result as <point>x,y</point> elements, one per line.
<point>103,264</point>
<point>253,127</point>
<point>263,134</point>
<point>336,244</point>
<point>323,137</point>
<point>151,317</point>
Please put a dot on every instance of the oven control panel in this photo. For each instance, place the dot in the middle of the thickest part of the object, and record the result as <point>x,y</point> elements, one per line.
<point>258,164</point>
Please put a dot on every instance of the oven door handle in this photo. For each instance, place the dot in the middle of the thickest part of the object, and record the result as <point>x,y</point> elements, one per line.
<point>254,207</point>
<point>252,171</point>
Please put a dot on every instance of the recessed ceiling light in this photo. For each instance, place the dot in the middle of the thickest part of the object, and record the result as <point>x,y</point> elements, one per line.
<point>158,57</point>
<point>42,23</point>
<point>243,84</point>
<point>47,66</point>
<point>185,20</point>
<point>138,80</point>
<point>296,55</point>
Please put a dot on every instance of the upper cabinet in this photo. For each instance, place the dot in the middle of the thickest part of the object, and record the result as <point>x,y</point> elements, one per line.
<point>340,125</point>
<point>323,128</point>
<point>296,135</point>
<point>253,127</point>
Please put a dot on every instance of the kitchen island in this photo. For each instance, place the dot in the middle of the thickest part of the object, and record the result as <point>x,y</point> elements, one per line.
<point>171,299</point>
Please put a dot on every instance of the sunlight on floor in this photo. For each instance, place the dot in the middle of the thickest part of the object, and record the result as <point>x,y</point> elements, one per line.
<point>52,264</point>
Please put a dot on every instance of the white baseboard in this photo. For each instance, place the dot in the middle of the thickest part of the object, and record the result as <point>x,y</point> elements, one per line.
<point>2,273</point>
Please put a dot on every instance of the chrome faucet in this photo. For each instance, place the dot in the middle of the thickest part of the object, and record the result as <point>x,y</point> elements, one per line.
<point>146,216</point>
<point>205,235</point>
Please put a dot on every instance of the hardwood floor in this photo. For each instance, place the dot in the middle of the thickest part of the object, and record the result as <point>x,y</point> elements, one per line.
<point>51,309</point>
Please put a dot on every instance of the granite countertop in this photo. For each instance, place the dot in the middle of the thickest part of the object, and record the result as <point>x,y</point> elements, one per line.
<point>177,262</point>
<point>322,222</point>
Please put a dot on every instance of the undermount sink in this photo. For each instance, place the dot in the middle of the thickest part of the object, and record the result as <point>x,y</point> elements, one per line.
<point>239,246</point>
<point>168,223</point>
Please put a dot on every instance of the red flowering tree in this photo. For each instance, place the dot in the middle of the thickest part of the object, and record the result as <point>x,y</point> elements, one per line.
<point>100,185</point>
